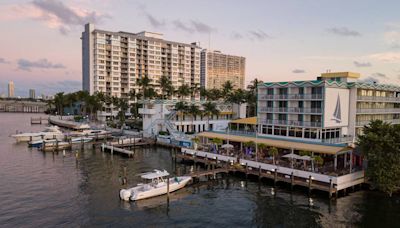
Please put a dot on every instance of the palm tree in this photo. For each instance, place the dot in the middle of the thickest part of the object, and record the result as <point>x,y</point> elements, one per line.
<point>195,89</point>
<point>252,97</point>
<point>227,88</point>
<point>203,93</point>
<point>261,147</point>
<point>237,97</point>
<point>181,107</point>
<point>273,151</point>
<point>70,99</point>
<point>144,82</point>
<point>59,102</point>
<point>166,86</point>
<point>210,109</point>
<point>213,94</point>
<point>193,110</point>
<point>183,91</point>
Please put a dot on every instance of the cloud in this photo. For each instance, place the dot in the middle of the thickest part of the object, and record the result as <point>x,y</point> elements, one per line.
<point>298,71</point>
<point>259,35</point>
<point>27,65</point>
<point>343,31</point>
<point>392,38</point>
<point>4,61</point>
<point>362,64</point>
<point>369,79</point>
<point>200,27</point>
<point>54,13</point>
<point>379,75</point>
<point>193,26</point>
<point>236,35</point>
<point>154,21</point>
<point>386,56</point>
<point>181,26</point>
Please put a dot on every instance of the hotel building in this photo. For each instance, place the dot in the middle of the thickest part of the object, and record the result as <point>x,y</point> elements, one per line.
<point>114,62</point>
<point>332,109</point>
<point>217,68</point>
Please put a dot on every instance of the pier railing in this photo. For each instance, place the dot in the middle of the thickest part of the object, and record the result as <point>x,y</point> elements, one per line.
<point>339,182</point>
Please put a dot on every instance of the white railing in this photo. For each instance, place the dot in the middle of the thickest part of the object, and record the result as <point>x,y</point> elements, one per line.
<point>291,97</point>
<point>378,110</point>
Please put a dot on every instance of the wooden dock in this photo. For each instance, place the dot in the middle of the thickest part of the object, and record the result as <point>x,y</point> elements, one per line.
<point>312,181</point>
<point>38,120</point>
<point>112,149</point>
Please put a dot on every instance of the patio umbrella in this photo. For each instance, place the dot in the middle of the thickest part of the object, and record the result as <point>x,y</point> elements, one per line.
<point>293,156</point>
<point>227,146</point>
<point>305,158</point>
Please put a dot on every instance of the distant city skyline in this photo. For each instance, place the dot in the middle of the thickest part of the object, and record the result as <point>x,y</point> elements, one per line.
<point>281,41</point>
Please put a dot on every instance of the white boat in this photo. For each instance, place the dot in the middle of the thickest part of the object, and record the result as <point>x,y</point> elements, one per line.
<point>156,187</point>
<point>95,134</point>
<point>39,142</point>
<point>52,132</point>
<point>80,140</point>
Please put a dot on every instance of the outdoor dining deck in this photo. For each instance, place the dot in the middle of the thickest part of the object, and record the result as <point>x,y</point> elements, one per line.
<point>328,182</point>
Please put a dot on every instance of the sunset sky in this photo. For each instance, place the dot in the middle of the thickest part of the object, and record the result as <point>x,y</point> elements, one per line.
<point>282,40</point>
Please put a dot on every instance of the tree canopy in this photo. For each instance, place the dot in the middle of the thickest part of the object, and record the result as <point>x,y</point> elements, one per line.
<point>380,144</point>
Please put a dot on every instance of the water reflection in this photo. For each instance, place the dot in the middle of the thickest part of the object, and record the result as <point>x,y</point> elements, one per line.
<point>80,188</point>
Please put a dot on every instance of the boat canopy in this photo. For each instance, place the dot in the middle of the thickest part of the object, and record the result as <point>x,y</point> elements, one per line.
<point>155,174</point>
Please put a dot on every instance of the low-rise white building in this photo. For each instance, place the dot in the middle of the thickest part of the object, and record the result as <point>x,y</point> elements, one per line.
<point>160,115</point>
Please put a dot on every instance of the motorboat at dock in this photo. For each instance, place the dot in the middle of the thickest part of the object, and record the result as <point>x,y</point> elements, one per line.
<point>158,185</point>
<point>52,132</point>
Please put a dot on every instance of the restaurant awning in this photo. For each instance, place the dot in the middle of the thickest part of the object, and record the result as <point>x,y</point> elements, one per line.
<point>285,144</point>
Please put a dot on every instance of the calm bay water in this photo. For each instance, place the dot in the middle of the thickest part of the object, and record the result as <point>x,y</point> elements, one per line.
<point>45,190</point>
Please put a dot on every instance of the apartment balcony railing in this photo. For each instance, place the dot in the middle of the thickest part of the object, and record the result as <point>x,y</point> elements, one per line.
<point>292,110</point>
<point>377,110</point>
<point>291,97</point>
<point>292,123</point>
<point>366,122</point>
<point>343,139</point>
<point>381,99</point>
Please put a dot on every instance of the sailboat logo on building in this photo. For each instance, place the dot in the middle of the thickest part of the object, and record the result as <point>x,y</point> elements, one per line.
<point>337,113</point>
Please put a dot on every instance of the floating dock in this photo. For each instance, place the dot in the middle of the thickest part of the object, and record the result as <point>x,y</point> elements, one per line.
<point>114,149</point>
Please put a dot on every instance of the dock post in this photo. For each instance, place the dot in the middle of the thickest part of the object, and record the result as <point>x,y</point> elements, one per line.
<point>309,184</point>
<point>124,179</point>
<point>247,169</point>
<point>330,188</point>
<point>168,186</point>
<point>112,150</point>
<point>57,145</point>
<point>275,176</point>
<point>63,153</point>
<point>291,181</point>
<point>44,146</point>
<point>259,173</point>
<point>216,162</point>
<point>30,138</point>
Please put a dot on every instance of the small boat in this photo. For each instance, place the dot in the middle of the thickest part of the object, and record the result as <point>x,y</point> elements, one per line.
<point>39,143</point>
<point>52,145</point>
<point>52,132</point>
<point>156,187</point>
<point>81,140</point>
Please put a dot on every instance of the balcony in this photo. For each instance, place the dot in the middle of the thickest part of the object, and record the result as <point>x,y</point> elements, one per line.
<point>366,122</point>
<point>291,97</point>
<point>380,99</point>
<point>291,123</point>
<point>292,110</point>
<point>377,110</point>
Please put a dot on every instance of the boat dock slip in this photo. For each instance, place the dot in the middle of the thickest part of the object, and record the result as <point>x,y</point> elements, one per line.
<point>308,179</point>
<point>113,149</point>
<point>38,120</point>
